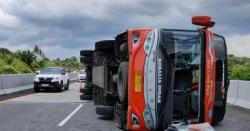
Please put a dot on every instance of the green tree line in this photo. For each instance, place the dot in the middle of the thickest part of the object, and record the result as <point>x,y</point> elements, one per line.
<point>238,67</point>
<point>28,61</point>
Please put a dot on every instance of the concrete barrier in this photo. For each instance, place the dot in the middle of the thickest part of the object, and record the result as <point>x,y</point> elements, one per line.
<point>232,94</point>
<point>10,83</point>
<point>243,99</point>
<point>16,80</point>
<point>2,92</point>
<point>239,93</point>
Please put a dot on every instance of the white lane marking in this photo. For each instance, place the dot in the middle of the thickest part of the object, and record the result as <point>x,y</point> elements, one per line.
<point>70,115</point>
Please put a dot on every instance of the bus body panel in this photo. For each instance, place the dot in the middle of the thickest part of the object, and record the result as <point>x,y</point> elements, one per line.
<point>210,71</point>
<point>137,56</point>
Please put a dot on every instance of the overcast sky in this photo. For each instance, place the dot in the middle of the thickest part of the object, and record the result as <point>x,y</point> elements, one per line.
<point>63,27</point>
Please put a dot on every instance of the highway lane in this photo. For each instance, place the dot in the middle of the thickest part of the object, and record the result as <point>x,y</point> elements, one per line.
<point>45,111</point>
<point>236,119</point>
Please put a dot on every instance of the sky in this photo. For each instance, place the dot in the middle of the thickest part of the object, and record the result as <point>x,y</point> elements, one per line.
<point>61,28</point>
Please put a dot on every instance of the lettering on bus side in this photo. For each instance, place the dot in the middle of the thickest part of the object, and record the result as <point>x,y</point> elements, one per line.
<point>159,81</point>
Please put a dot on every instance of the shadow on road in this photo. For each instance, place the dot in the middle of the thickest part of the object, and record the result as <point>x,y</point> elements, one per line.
<point>50,91</point>
<point>17,94</point>
<point>105,118</point>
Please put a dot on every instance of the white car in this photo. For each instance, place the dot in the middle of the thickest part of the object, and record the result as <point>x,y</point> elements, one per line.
<point>52,77</point>
<point>82,75</point>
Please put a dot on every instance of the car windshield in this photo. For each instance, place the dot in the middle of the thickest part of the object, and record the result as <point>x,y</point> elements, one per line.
<point>82,72</point>
<point>51,71</point>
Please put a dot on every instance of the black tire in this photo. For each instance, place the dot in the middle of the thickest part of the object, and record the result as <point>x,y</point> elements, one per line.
<point>86,60</point>
<point>86,97</point>
<point>60,87</point>
<point>88,85</point>
<point>105,45</point>
<point>36,89</point>
<point>105,110</point>
<point>87,91</point>
<point>67,85</point>
<point>87,53</point>
<point>219,113</point>
<point>120,115</point>
<point>122,82</point>
<point>99,58</point>
<point>89,75</point>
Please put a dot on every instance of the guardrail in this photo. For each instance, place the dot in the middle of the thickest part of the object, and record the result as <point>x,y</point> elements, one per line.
<point>10,83</point>
<point>238,93</point>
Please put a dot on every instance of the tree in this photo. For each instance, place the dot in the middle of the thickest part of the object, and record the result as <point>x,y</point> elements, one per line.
<point>4,51</point>
<point>7,69</point>
<point>26,61</point>
<point>38,51</point>
<point>239,67</point>
<point>27,57</point>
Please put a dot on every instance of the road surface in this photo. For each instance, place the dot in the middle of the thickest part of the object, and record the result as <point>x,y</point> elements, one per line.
<point>53,111</point>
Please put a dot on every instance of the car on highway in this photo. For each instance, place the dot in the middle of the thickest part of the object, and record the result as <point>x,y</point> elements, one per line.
<point>82,75</point>
<point>52,77</point>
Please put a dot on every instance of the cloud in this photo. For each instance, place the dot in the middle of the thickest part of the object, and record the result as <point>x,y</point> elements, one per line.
<point>7,20</point>
<point>239,45</point>
<point>77,24</point>
<point>15,48</point>
<point>63,52</point>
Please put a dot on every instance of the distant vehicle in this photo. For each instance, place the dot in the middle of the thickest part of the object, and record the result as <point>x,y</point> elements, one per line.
<point>52,77</point>
<point>82,75</point>
<point>37,72</point>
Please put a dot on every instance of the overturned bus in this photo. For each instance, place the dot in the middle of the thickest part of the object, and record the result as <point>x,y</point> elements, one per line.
<point>151,79</point>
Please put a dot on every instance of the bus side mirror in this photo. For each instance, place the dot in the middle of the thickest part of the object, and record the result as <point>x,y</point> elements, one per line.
<point>203,21</point>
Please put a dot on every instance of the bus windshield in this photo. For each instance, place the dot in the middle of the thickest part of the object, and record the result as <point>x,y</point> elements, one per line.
<point>184,46</point>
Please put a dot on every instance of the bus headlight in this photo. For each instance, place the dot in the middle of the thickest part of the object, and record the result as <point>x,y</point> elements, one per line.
<point>149,42</point>
<point>148,118</point>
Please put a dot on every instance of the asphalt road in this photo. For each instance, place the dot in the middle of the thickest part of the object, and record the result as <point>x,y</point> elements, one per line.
<point>53,111</point>
<point>45,111</point>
